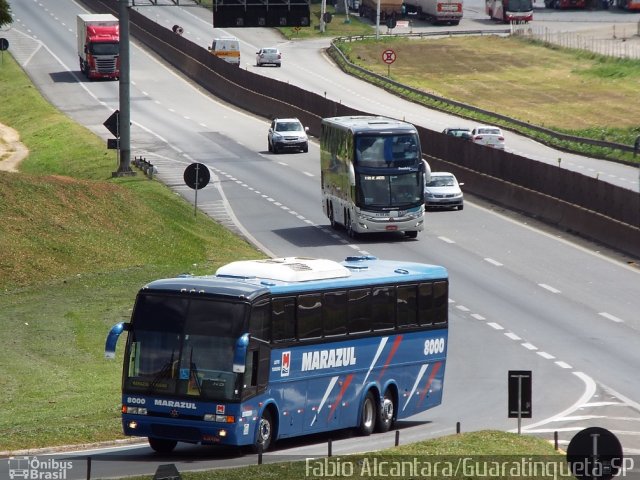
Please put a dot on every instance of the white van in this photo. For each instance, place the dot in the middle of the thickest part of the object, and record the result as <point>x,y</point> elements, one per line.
<point>228,49</point>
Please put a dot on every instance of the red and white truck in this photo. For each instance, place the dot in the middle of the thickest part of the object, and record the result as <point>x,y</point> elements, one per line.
<point>99,45</point>
<point>436,11</point>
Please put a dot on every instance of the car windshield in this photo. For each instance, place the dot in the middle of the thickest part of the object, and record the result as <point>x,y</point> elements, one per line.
<point>458,133</point>
<point>441,181</point>
<point>489,131</point>
<point>288,127</point>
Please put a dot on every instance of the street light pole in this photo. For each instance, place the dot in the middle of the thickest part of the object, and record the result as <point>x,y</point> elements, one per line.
<point>124,167</point>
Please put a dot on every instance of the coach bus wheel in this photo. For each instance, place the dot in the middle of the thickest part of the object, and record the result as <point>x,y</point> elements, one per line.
<point>332,217</point>
<point>385,420</point>
<point>350,230</point>
<point>162,446</point>
<point>368,415</point>
<point>265,431</point>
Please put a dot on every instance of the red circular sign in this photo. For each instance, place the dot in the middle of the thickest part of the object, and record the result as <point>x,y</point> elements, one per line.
<point>388,56</point>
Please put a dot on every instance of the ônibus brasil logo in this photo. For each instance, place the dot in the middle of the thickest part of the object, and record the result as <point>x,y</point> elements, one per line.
<point>33,468</point>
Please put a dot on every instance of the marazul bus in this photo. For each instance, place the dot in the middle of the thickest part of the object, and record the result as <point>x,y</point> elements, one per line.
<point>272,349</point>
<point>372,175</point>
<point>510,11</point>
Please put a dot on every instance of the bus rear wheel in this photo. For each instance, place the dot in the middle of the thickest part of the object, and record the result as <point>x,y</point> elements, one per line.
<point>387,412</point>
<point>264,435</point>
<point>161,445</point>
<point>368,415</point>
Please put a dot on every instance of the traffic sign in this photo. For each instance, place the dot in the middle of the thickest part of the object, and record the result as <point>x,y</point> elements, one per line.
<point>388,56</point>
<point>113,123</point>
<point>197,176</point>
<point>4,44</point>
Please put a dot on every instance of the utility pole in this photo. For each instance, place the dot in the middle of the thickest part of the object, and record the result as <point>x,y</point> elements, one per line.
<point>124,168</point>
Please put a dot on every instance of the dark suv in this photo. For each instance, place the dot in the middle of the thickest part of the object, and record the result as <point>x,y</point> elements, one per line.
<point>287,133</point>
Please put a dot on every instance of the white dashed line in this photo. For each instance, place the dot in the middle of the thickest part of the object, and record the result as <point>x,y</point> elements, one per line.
<point>563,364</point>
<point>462,308</point>
<point>546,355</point>
<point>495,325</point>
<point>447,240</point>
<point>493,262</point>
<point>477,316</point>
<point>528,346</point>
<point>549,287</point>
<point>613,318</point>
<point>512,336</point>
<point>309,174</point>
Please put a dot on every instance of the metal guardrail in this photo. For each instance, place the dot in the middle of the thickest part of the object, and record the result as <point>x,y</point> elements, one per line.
<point>333,49</point>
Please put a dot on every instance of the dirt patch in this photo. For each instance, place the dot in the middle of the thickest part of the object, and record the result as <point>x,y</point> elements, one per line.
<point>12,151</point>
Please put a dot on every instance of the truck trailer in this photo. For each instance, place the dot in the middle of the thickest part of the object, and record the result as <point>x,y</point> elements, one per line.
<point>99,46</point>
<point>388,9</point>
<point>436,11</point>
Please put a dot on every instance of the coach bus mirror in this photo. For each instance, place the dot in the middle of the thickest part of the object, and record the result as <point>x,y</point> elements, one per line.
<point>352,175</point>
<point>427,172</point>
<point>112,339</point>
<point>240,355</point>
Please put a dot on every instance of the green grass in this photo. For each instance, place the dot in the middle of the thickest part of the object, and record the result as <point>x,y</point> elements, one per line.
<point>481,449</point>
<point>76,246</point>
<point>567,91</point>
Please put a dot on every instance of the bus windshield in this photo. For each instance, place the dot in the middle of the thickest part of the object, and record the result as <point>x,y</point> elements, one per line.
<point>387,150</point>
<point>390,191</point>
<point>519,5</point>
<point>184,346</point>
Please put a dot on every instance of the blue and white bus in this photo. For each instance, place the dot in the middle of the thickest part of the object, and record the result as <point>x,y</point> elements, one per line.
<point>272,349</point>
<point>372,175</point>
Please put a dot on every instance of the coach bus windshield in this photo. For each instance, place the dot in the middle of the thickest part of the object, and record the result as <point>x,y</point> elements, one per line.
<point>182,346</point>
<point>519,5</point>
<point>390,191</point>
<point>387,150</point>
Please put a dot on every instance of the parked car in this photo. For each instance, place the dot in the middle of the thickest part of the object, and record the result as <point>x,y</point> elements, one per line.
<point>287,134</point>
<point>489,136</point>
<point>460,132</point>
<point>268,56</point>
<point>443,191</point>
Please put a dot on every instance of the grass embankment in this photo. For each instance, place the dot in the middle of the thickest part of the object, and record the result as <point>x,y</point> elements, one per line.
<point>76,245</point>
<point>569,91</point>
<point>468,456</point>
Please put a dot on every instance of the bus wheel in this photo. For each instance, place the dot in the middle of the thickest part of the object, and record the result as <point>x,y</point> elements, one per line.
<point>162,446</point>
<point>368,415</point>
<point>385,420</point>
<point>332,217</point>
<point>350,230</point>
<point>265,432</point>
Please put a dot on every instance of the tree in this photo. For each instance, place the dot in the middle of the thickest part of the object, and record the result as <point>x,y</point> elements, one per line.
<point>5,13</point>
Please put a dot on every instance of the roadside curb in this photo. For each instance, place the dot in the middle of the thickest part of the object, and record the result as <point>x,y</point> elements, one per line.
<point>70,448</point>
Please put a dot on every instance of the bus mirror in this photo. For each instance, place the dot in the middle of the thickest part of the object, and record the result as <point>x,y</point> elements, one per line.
<point>352,175</point>
<point>427,172</point>
<point>112,339</point>
<point>240,355</point>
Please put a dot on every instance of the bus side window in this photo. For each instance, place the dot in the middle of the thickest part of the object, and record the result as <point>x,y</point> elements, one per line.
<point>283,319</point>
<point>309,316</point>
<point>260,321</point>
<point>384,311</point>
<point>407,306</point>
<point>425,304</point>
<point>334,313</point>
<point>359,308</point>
<point>440,306</point>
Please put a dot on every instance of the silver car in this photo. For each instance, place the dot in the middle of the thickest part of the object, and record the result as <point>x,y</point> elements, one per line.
<point>287,134</point>
<point>443,191</point>
<point>268,56</point>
